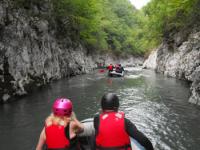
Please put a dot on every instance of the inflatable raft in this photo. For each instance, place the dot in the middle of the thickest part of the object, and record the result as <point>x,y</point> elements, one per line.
<point>115,74</point>
<point>87,138</point>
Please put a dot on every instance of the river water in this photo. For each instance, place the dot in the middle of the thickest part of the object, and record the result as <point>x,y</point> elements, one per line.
<point>156,104</point>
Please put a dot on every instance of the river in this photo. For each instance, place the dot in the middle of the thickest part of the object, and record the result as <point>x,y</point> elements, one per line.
<point>156,104</point>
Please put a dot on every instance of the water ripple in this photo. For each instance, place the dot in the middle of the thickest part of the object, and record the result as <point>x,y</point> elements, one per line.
<point>157,105</point>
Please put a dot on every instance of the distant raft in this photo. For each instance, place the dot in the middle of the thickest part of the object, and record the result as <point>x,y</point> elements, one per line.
<point>87,137</point>
<point>115,74</point>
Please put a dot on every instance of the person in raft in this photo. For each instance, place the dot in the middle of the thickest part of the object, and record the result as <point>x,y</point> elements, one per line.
<point>119,68</point>
<point>61,128</point>
<point>112,129</point>
<point>110,68</point>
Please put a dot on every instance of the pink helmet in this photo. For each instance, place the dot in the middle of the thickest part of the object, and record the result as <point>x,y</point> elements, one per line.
<point>62,107</point>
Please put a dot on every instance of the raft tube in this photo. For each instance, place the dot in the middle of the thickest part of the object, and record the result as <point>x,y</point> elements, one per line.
<point>115,74</point>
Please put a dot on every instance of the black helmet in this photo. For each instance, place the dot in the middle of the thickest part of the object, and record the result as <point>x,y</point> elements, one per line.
<point>110,101</point>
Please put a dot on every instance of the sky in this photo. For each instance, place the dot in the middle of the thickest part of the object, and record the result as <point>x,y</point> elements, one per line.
<point>139,3</point>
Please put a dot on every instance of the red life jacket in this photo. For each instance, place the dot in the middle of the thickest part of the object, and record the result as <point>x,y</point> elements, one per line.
<point>55,137</point>
<point>112,133</point>
<point>110,67</point>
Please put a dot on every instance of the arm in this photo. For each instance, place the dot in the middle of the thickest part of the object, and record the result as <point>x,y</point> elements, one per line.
<point>78,126</point>
<point>96,123</point>
<point>42,140</point>
<point>96,127</point>
<point>137,135</point>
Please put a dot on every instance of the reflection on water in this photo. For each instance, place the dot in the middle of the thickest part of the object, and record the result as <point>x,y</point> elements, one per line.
<point>156,104</point>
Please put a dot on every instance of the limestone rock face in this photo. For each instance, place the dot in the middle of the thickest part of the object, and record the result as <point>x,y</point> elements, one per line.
<point>31,55</point>
<point>151,63</point>
<point>182,61</point>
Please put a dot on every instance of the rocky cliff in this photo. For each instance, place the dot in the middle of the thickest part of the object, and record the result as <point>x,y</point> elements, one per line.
<point>30,53</point>
<point>33,54</point>
<point>180,59</point>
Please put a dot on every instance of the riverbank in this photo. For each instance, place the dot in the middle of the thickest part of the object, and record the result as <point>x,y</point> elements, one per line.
<point>180,59</point>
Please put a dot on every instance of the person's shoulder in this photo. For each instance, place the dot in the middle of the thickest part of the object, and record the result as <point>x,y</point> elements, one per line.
<point>48,121</point>
<point>96,115</point>
<point>96,121</point>
<point>128,121</point>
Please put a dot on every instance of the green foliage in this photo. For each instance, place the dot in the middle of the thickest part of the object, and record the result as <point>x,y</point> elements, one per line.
<point>115,25</point>
<point>100,24</point>
<point>163,17</point>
